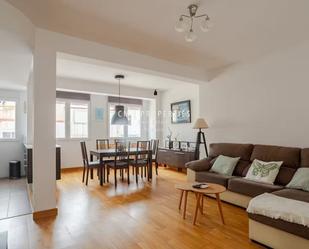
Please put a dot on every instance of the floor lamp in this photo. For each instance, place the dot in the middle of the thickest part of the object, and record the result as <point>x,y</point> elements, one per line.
<point>200,124</point>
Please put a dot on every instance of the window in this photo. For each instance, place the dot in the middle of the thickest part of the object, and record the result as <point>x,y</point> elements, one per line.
<point>7,119</point>
<point>78,120</point>
<point>60,120</point>
<point>133,130</point>
<point>134,116</point>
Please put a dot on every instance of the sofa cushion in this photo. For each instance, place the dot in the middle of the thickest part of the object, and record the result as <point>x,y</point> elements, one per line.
<point>304,158</point>
<point>225,165</point>
<point>250,188</point>
<point>294,194</point>
<point>263,171</point>
<point>289,155</point>
<point>212,178</point>
<point>300,180</point>
<point>232,150</point>
<point>199,165</point>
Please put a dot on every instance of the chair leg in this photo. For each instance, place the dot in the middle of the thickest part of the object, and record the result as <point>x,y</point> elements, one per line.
<point>107,174</point>
<point>103,168</point>
<point>157,166</point>
<point>128,175</point>
<point>87,175</point>
<point>115,177</point>
<point>136,174</point>
<point>145,172</point>
<point>99,172</point>
<point>84,171</point>
<point>91,173</point>
<point>122,173</point>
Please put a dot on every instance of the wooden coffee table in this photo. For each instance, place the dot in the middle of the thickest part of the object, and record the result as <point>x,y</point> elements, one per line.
<point>185,188</point>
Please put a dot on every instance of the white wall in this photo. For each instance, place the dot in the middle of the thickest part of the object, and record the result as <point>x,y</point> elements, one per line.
<point>182,131</point>
<point>265,101</point>
<point>13,150</point>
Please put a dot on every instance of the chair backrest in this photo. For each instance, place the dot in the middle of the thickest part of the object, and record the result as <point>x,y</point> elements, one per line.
<point>122,151</point>
<point>142,146</point>
<point>102,144</point>
<point>154,146</point>
<point>84,153</point>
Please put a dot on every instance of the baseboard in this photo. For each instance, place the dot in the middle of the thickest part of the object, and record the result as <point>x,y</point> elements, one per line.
<point>71,168</point>
<point>45,213</point>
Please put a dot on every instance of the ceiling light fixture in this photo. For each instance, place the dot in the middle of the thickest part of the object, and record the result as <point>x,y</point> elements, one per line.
<point>185,23</point>
<point>119,117</point>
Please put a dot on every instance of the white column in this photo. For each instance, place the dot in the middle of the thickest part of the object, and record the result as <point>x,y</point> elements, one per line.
<point>44,141</point>
<point>30,110</point>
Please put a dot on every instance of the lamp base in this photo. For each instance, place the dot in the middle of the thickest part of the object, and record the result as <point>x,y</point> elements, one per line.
<point>200,139</point>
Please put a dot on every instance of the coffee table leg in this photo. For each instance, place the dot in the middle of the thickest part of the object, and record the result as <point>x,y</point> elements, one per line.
<point>220,207</point>
<point>180,201</point>
<point>198,202</point>
<point>202,204</point>
<point>185,205</point>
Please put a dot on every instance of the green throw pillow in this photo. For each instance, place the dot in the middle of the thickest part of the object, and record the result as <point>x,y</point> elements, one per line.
<point>263,171</point>
<point>300,180</point>
<point>225,165</point>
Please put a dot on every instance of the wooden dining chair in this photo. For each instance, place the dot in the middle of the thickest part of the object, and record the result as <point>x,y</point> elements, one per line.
<point>102,144</point>
<point>90,165</point>
<point>121,161</point>
<point>141,159</point>
<point>154,147</point>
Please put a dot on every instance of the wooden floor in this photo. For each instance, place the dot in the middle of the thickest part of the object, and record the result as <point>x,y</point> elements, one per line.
<point>144,216</point>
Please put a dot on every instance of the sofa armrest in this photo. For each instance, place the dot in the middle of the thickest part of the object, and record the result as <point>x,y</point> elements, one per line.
<point>199,165</point>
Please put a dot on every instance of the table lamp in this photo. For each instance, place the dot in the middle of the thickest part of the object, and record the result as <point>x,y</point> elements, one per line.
<point>200,124</point>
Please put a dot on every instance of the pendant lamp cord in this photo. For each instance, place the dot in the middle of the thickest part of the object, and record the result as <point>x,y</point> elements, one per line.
<point>119,91</point>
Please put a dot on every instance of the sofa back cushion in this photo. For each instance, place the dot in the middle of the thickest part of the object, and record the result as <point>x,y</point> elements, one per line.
<point>233,150</point>
<point>290,157</point>
<point>304,157</point>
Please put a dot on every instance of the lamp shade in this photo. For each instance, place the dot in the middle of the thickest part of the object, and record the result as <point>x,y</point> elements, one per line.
<point>200,123</point>
<point>119,117</point>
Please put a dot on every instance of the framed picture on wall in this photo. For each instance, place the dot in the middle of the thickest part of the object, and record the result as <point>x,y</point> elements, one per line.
<point>99,114</point>
<point>181,112</point>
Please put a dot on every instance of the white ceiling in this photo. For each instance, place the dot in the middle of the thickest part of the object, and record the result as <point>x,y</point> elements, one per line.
<point>243,28</point>
<point>69,66</point>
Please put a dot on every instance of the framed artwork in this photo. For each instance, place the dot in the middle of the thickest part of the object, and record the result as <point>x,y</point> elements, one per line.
<point>181,112</point>
<point>99,114</point>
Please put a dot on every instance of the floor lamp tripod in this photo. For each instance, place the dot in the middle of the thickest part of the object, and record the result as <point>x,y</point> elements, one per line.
<point>200,124</point>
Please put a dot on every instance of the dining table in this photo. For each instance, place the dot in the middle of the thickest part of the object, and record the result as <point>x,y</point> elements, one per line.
<point>110,153</point>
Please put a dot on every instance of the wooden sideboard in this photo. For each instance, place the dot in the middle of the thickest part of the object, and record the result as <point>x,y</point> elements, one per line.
<point>175,158</point>
<point>28,162</point>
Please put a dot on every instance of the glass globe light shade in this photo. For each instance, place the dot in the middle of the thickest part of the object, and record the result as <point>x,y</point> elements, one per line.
<point>190,36</point>
<point>180,25</point>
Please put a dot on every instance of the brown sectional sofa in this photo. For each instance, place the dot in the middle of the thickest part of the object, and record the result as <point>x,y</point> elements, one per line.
<point>271,232</point>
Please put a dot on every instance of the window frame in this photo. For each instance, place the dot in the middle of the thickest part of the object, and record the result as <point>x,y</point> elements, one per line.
<point>68,103</point>
<point>65,119</point>
<point>12,99</point>
<point>76,102</point>
<point>126,132</point>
